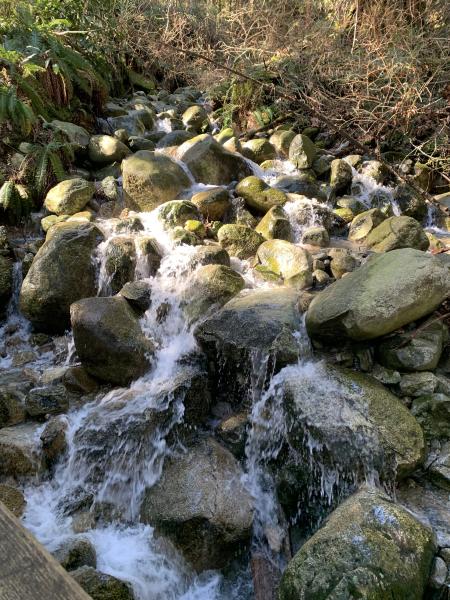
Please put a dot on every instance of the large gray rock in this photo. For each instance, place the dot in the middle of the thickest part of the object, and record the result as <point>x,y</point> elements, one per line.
<point>239,240</point>
<point>397,232</point>
<point>255,323</point>
<point>384,294</point>
<point>76,135</point>
<point>149,179</point>
<point>369,547</point>
<point>61,273</point>
<point>210,163</point>
<point>105,149</point>
<point>292,263</point>
<point>302,151</point>
<point>202,505</point>
<point>343,428</point>
<point>109,340</point>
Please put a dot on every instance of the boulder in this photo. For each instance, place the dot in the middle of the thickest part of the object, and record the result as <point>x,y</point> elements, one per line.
<point>303,184</point>
<point>302,152</point>
<point>211,285</point>
<point>75,553</point>
<point>53,439</point>
<point>387,292</point>
<point>418,350</point>
<point>131,122</point>
<point>375,170</point>
<point>138,294</point>
<point>171,141</point>
<point>195,118</point>
<point>364,223</point>
<point>258,195</point>
<point>210,163</point>
<point>120,262</point>
<point>149,256</point>
<point>212,203</point>
<point>433,413</point>
<point>19,451</point>
<point>239,240</point>
<point>275,225</point>
<point>61,273</point>
<point>105,149</point>
<point>281,140</point>
<point>418,384</point>
<point>13,499</point>
<point>209,255</point>
<point>47,400</point>
<point>202,505</point>
<point>101,586</point>
<point>12,405</point>
<point>397,232</point>
<point>316,236</point>
<point>259,150</point>
<point>292,263</point>
<point>69,197</point>
<point>177,212</point>
<point>6,283</point>
<point>149,179</point>
<point>108,339</point>
<point>76,135</point>
<point>410,203</point>
<point>264,322</point>
<point>342,262</point>
<point>354,430</point>
<point>369,547</point>
<point>341,175</point>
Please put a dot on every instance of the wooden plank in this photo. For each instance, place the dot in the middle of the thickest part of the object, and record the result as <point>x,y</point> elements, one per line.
<point>27,570</point>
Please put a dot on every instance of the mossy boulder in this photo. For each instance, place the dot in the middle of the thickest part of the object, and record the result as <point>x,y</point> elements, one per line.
<point>202,505</point>
<point>150,179</point>
<point>19,451</point>
<point>264,322</point>
<point>316,236</point>
<point>364,223</point>
<point>369,547</point>
<point>275,225</point>
<point>120,262</point>
<point>61,273</point>
<point>210,163</point>
<point>292,263</point>
<point>12,405</point>
<point>177,212</point>
<point>239,240</point>
<point>101,586</point>
<point>375,170</point>
<point>258,195</point>
<point>387,292</point>
<point>109,340</point>
<point>76,135</point>
<point>209,255</point>
<point>397,232</point>
<point>212,203</point>
<point>75,553</point>
<point>13,499</point>
<point>211,285</point>
<point>131,122</point>
<point>195,118</point>
<point>432,411</point>
<point>341,175</point>
<point>304,184</point>
<point>302,152</point>
<point>281,141</point>
<point>224,135</point>
<point>171,141</point>
<point>106,149</point>
<point>259,150</point>
<point>6,283</point>
<point>69,197</point>
<point>410,202</point>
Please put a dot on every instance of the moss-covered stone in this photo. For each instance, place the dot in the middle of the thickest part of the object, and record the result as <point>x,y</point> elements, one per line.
<point>69,197</point>
<point>397,232</point>
<point>209,162</point>
<point>258,195</point>
<point>177,212</point>
<point>316,236</point>
<point>387,292</point>
<point>239,240</point>
<point>171,141</point>
<point>302,152</point>
<point>196,227</point>
<point>149,179</point>
<point>292,263</point>
<point>13,499</point>
<point>410,202</point>
<point>61,273</point>
<point>120,262</point>
<point>76,135</point>
<point>275,225</point>
<point>259,150</point>
<point>101,586</point>
<point>368,548</point>
<point>364,223</point>
<point>195,118</point>
<point>6,283</point>
<point>212,203</point>
<point>281,140</point>
<point>341,175</point>
<point>105,149</point>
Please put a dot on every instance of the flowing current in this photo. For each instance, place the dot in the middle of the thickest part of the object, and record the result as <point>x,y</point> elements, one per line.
<point>117,443</point>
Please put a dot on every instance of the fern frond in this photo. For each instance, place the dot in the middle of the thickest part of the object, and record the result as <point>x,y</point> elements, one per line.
<point>40,171</point>
<point>57,166</point>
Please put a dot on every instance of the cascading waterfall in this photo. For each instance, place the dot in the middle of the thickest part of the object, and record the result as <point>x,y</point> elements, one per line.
<point>117,443</point>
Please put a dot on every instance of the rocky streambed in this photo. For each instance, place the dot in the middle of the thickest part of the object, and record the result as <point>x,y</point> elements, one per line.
<point>224,367</point>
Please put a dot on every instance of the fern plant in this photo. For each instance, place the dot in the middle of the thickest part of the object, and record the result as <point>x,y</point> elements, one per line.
<point>15,204</point>
<point>46,165</point>
<point>14,110</point>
